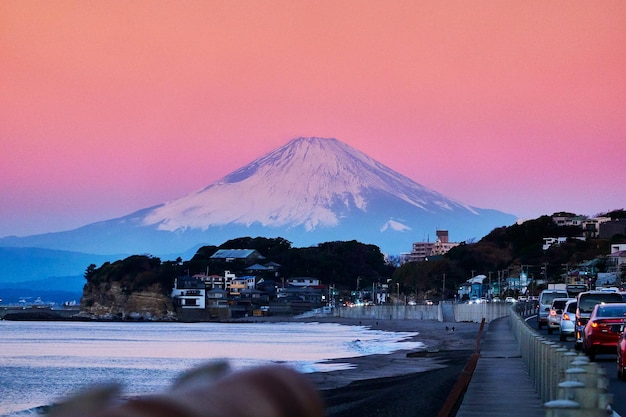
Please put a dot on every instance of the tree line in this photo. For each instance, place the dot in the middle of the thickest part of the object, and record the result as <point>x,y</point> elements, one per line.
<point>348,264</point>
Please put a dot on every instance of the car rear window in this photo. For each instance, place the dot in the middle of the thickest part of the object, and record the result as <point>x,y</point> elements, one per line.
<point>571,307</point>
<point>586,302</point>
<point>611,311</point>
<point>559,304</point>
<point>547,297</point>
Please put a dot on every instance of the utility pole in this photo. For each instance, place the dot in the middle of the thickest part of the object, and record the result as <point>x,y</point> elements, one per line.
<point>566,268</point>
<point>443,292</point>
<point>398,293</point>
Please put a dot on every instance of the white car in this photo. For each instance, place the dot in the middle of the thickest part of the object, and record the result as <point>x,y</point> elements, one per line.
<point>510,300</point>
<point>543,306</point>
<point>567,326</point>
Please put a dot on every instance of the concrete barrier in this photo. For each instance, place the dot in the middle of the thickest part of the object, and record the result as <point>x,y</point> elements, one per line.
<point>462,312</point>
<point>389,312</point>
<point>567,382</point>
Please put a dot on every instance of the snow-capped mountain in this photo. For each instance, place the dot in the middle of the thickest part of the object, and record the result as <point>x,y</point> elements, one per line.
<point>309,191</point>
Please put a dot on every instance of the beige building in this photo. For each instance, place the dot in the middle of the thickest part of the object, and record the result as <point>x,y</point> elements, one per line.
<point>422,250</point>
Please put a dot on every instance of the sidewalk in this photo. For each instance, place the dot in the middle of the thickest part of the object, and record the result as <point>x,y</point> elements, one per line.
<point>500,385</point>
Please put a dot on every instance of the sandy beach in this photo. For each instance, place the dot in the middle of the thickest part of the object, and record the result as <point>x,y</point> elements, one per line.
<point>403,383</point>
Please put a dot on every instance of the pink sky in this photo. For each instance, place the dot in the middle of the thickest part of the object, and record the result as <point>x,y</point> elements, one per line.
<point>110,107</point>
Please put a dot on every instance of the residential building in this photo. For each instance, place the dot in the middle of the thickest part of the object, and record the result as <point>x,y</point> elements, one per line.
<point>421,251</point>
<point>591,227</point>
<point>612,228</point>
<point>615,260</point>
<point>230,255</point>
<point>239,284</point>
<point>189,293</point>
<point>217,297</point>
<point>551,241</point>
<point>616,247</point>
<point>566,220</point>
<point>303,282</point>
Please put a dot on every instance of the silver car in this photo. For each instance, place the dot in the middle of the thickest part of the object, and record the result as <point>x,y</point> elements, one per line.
<point>555,312</point>
<point>568,320</point>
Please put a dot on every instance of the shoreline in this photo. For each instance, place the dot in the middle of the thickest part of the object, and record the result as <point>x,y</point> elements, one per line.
<point>403,383</point>
<point>407,382</point>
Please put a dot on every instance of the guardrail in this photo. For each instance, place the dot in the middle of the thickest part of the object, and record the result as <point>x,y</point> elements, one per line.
<point>568,383</point>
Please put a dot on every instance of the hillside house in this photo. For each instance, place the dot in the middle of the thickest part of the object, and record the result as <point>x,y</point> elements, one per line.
<point>303,282</point>
<point>267,271</point>
<point>230,255</point>
<point>591,227</point>
<point>239,284</point>
<point>561,220</point>
<point>548,242</point>
<point>612,228</point>
<point>615,260</point>
<point>189,293</point>
<point>217,297</point>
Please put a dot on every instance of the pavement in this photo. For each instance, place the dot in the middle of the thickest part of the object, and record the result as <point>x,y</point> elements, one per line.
<point>500,385</point>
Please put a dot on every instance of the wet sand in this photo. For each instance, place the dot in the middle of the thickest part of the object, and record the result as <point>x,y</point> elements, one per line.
<point>403,383</point>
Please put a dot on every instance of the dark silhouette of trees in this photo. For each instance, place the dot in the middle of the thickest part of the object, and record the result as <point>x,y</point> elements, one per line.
<point>348,264</point>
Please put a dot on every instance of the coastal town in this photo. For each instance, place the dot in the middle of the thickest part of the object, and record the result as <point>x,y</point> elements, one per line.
<point>255,286</point>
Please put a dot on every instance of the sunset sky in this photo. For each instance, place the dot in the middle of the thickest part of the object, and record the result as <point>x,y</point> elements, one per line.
<point>107,107</point>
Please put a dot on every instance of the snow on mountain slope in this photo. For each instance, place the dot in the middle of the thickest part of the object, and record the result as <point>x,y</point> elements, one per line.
<point>309,182</point>
<point>308,191</point>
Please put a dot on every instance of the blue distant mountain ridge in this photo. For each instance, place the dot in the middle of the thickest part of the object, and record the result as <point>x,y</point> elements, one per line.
<point>309,191</point>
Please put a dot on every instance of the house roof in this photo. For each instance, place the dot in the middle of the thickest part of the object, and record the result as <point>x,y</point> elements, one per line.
<point>257,267</point>
<point>236,254</point>
<point>593,262</point>
<point>248,291</point>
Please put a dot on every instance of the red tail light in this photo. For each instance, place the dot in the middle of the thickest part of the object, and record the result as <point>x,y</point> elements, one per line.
<point>566,316</point>
<point>552,313</point>
<point>594,324</point>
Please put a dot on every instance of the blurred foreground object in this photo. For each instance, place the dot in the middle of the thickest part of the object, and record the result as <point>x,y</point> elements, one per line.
<point>209,391</point>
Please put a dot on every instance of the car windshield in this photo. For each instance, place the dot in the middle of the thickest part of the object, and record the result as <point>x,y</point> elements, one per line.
<point>611,311</point>
<point>588,301</point>
<point>548,297</point>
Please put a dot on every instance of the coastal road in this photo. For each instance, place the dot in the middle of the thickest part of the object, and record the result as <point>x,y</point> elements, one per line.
<point>616,387</point>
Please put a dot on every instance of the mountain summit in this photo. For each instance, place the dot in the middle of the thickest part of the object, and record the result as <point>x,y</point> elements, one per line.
<point>310,183</point>
<point>309,191</point>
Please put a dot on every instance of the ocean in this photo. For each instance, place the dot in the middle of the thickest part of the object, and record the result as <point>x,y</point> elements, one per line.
<point>43,362</point>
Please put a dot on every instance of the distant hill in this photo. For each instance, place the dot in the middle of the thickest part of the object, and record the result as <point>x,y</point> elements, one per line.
<point>37,264</point>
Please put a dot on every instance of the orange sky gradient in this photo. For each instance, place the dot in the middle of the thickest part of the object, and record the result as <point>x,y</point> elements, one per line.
<point>113,106</point>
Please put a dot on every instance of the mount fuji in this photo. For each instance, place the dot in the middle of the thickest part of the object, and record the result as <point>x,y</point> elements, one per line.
<point>309,191</point>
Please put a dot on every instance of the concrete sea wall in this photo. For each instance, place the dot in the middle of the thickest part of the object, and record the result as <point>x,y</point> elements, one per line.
<point>448,312</point>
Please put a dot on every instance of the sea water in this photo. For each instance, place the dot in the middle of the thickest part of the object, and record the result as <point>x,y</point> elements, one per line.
<point>43,362</point>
